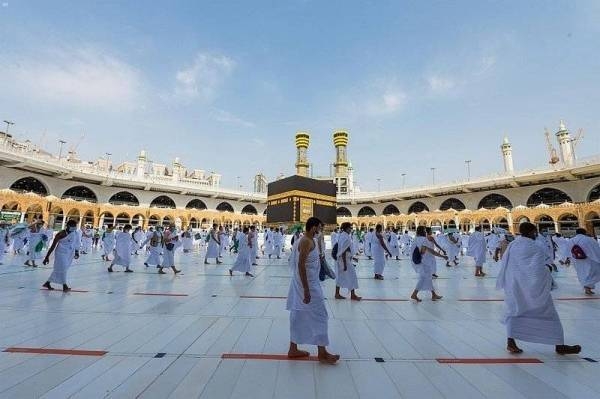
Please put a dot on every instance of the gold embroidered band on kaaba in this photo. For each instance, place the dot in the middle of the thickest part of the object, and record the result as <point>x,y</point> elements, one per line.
<point>303,194</point>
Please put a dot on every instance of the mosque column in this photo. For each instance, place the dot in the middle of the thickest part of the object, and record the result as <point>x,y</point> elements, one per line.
<point>511,226</point>
<point>64,222</point>
<point>556,226</point>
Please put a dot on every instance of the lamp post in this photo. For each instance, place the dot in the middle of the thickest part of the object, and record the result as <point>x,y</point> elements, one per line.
<point>378,184</point>
<point>60,147</point>
<point>403,180</point>
<point>468,163</point>
<point>8,123</point>
<point>433,175</point>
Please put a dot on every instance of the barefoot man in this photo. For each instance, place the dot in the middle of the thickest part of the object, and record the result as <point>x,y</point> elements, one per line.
<point>306,303</point>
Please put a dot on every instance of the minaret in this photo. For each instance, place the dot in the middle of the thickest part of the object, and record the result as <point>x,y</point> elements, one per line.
<point>302,142</point>
<point>340,141</point>
<point>565,144</point>
<point>141,164</point>
<point>506,148</point>
<point>176,169</point>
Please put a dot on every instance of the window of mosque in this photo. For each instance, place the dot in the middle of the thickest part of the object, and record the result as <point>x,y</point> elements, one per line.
<point>493,201</point>
<point>548,196</point>
<point>163,202</point>
<point>29,185</point>
<point>594,194</point>
<point>391,210</point>
<point>366,211</point>
<point>344,212</point>
<point>249,210</point>
<point>124,198</point>
<point>453,203</point>
<point>196,204</point>
<point>418,207</point>
<point>80,193</point>
<point>224,207</point>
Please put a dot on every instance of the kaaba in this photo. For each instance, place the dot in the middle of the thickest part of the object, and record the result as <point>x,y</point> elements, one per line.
<point>296,198</point>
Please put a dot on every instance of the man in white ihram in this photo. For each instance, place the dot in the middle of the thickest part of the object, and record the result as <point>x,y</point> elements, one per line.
<point>529,310</point>
<point>306,303</point>
<point>586,255</point>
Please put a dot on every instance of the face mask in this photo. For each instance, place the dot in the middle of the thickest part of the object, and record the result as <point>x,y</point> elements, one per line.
<point>71,229</point>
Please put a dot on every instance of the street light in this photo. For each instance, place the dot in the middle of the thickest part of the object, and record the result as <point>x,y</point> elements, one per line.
<point>8,123</point>
<point>468,163</point>
<point>378,184</point>
<point>433,175</point>
<point>403,180</point>
<point>60,147</point>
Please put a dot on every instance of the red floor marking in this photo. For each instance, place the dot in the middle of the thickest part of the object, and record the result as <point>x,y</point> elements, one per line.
<point>43,351</point>
<point>157,294</point>
<point>516,360</point>
<point>259,356</point>
<point>262,297</point>
<point>59,290</point>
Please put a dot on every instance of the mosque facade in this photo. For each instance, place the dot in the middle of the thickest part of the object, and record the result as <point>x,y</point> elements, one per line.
<point>559,198</point>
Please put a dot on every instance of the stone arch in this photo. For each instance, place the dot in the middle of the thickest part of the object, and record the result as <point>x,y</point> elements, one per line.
<point>567,224</point>
<point>592,223</point>
<point>545,223</point>
<point>138,219</point>
<point>56,218</point>
<point>194,223</point>
<point>493,201</point>
<point>548,196</point>
<point>501,222</point>
<point>29,184</point>
<point>224,207</point>
<point>249,210</point>
<point>197,204</point>
<point>11,206</point>
<point>366,211</point>
<point>34,211</point>
<point>80,193</point>
<point>163,201</point>
<point>342,211</point>
<point>167,219</point>
<point>485,224</point>
<point>417,207</point>
<point>122,219</point>
<point>88,218</point>
<point>124,198</point>
<point>452,203</point>
<point>74,214</point>
<point>592,196</point>
<point>411,225</point>
<point>391,209</point>
<point>106,218</point>
<point>153,220</point>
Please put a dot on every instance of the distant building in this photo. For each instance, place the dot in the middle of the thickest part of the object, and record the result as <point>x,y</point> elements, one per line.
<point>260,183</point>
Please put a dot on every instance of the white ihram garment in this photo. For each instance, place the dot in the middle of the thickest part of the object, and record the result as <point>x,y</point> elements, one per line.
<point>63,257</point>
<point>308,322</point>
<point>378,254</point>
<point>243,263</point>
<point>588,270</point>
<point>427,266</point>
<point>477,247</point>
<point>526,280</point>
<point>345,279</point>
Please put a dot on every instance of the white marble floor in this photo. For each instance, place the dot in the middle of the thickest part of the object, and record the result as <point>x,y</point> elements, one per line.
<point>160,346</point>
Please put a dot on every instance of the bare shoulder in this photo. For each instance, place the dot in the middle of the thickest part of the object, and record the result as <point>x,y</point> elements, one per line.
<point>306,244</point>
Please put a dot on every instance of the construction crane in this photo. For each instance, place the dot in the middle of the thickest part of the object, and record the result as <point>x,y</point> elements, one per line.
<point>577,139</point>
<point>73,149</point>
<point>554,159</point>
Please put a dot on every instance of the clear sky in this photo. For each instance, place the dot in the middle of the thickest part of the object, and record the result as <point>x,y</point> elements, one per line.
<point>225,85</point>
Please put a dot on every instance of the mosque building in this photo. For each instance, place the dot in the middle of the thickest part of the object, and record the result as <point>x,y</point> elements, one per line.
<point>560,197</point>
